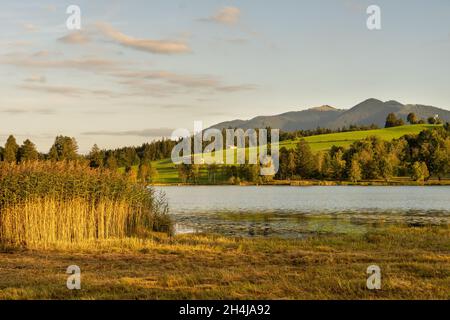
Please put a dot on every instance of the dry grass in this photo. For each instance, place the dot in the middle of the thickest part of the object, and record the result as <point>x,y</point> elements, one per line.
<point>415,264</point>
<point>49,202</point>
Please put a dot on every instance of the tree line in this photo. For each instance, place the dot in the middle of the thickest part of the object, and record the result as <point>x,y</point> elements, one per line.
<point>393,121</point>
<point>292,135</point>
<point>66,149</point>
<point>419,156</point>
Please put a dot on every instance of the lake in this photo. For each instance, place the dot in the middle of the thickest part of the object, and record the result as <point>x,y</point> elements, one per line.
<point>301,211</point>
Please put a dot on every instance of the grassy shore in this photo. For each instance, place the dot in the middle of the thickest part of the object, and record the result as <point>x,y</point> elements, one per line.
<point>414,261</point>
<point>395,181</point>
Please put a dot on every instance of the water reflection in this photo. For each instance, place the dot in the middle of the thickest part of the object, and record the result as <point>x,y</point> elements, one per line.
<point>299,212</point>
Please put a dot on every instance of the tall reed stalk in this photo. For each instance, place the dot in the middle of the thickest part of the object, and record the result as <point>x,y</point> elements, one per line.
<point>42,203</point>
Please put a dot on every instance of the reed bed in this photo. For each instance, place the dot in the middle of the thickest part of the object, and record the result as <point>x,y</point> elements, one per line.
<point>43,203</point>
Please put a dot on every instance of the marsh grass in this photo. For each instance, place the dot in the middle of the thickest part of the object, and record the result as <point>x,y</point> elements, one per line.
<point>415,264</point>
<point>67,202</point>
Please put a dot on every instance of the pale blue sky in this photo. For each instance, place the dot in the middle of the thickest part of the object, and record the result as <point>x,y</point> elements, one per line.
<point>219,60</point>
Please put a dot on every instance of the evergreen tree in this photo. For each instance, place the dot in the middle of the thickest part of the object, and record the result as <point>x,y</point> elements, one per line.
<point>95,157</point>
<point>282,170</point>
<point>64,148</point>
<point>304,159</point>
<point>291,164</point>
<point>27,151</point>
<point>11,150</point>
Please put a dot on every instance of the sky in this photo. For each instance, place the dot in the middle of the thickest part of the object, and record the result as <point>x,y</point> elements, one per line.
<point>138,69</point>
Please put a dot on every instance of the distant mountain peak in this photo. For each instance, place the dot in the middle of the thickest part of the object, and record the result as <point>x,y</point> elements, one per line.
<point>394,102</point>
<point>370,111</point>
<point>371,100</point>
<point>324,108</point>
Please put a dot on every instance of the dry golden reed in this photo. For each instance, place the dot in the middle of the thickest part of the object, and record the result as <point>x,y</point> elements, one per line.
<point>43,203</point>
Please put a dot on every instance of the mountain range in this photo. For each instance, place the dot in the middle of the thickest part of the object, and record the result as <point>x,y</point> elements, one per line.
<point>370,111</point>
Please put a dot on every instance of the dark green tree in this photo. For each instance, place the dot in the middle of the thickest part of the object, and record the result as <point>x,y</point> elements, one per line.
<point>95,157</point>
<point>27,151</point>
<point>10,152</point>
<point>393,121</point>
<point>291,164</point>
<point>304,159</point>
<point>64,148</point>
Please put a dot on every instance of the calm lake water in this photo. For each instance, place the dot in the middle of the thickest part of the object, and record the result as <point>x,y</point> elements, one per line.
<point>298,211</point>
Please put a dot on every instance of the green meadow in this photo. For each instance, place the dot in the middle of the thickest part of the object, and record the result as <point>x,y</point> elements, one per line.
<point>345,139</point>
<point>168,173</point>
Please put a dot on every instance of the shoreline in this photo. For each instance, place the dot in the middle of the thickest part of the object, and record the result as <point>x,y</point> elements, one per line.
<point>307,183</point>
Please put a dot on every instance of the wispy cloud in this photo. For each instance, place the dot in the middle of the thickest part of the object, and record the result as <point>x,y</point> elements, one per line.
<point>236,88</point>
<point>30,27</point>
<point>184,80</point>
<point>147,45</point>
<point>51,8</point>
<point>355,5</point>
<point>36,78</point>
<point>42,53</point>
<point>63,90</point>
<point>68,91</point>
<point>189,81</point>
<point>201,111</point>
<point>17,111</point>
<point>226,15</point>
<point>79,64</point>
<point>239,41</point>
<point>78,37</point>
<point>16,43</point>
<point>154,132</point>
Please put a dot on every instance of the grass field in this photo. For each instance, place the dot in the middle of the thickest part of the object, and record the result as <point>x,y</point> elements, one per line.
<point>414,262</point>
<point>167,173</point>
<point>345,139</point>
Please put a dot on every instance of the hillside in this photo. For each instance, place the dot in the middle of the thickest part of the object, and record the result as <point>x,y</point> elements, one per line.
<point>289,121</point>
<point>345,139</point>
<point>167,173</point>
<point>370,111</point>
